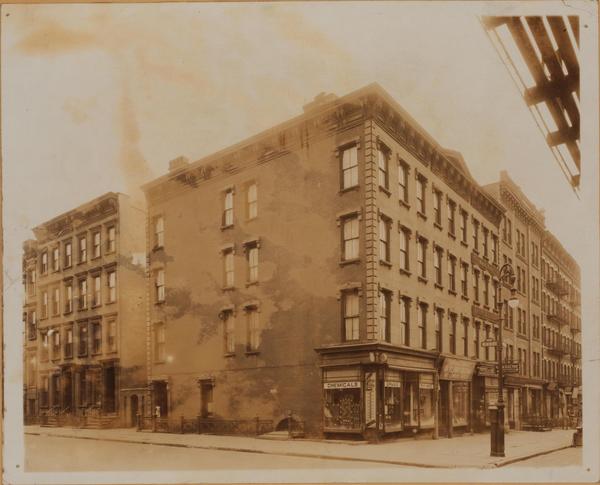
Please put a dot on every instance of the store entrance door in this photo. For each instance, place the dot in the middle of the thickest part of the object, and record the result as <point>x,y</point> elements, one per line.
<point>444,410</point>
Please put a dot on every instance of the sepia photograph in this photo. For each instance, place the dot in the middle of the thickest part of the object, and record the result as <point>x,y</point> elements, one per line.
<point>270,242</point>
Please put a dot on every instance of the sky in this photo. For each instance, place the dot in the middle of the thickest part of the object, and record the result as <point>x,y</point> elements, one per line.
<point>99,98</point>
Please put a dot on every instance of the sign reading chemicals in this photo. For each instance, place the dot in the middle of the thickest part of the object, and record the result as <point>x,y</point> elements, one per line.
<point>341,385</point>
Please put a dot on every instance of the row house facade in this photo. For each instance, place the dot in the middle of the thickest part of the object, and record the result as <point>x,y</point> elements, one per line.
<point>561,332</point>
<point>369,323</point>
<point>83,315</point>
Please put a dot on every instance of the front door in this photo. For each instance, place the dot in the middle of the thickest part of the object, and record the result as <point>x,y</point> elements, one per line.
<point>109,389</point>
<point>133,409</point>
<point>444,409</point>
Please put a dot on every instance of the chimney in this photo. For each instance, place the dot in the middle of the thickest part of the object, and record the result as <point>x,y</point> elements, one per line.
<point>320,100</point>
<point>178,163</point>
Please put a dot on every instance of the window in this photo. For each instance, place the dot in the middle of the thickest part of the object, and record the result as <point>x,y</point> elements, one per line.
<point>159,342</point>
<point>384,315</point>
<point>252,256</point>
<point>452,273</point>
<point>56,301</point>
<point>44,304</point>
<point>464,275</point>
<point>384,238</point>
<point>464,217</point>
<point>420,193</point>
<point>494,249</point>
<point>96,337</point>
<point>437,207</point>
<point>31,279</point>
<point>439,319</point>
<point>69,343</point>
<point>494,293</point>
<point>508,230</point>
<point>159,285</point>
<point>228,208</point>
<point>404,321</point>
<point>159,232</point>
<point>96,245</point>
<point>476,235</point>
<point>252,201</point>
<point>486,290</point>
<point>228,270</point>
<point>229,331</point>
<point>68,254</point>
<point>32,324</point>
<point>382,163</point>
<point>404,253</point>
<point>421,261</point>
<point>350,234</point>
<point>55,259</point>
<point>452,333</point>
<point>44,349</point>
<point>486,233</point>
<point>437,264</point>
<point>451,217</point>
<point>350,167</point>
<point>55,343</point>
<point>253,332</point>
<point>83,339</point>
<point>97,295</point>
<point>477,341</point>
<point>45,391</point>
<point>111,278</point>
<point>82,249</point>
<point>465,336</point>
<point>111,340</point>
<point>111,239</point>
<point>476,285</point>
<point>422,324</point>
<point>403,181</point>
<point>44,263</point>
<point>350,306</point>
<point>82,287</point>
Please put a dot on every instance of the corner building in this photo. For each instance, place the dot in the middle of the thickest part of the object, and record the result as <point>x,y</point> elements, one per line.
<point>339,269</point>
<point>84,315</point>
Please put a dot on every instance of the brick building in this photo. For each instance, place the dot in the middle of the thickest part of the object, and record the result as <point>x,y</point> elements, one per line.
<point>350,326</point>
<point>561,330</point>
<point>522,233</point>
<point>84,314</point>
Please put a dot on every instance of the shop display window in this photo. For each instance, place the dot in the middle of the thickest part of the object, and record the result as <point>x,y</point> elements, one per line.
<point>460,398</point>
<point>393,401</point>
<point>342,408</point>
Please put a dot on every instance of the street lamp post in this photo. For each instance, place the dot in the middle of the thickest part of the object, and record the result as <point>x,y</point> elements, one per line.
<point>507,275</point>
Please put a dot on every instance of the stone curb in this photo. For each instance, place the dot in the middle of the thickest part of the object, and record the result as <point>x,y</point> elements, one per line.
<point>497,464</point>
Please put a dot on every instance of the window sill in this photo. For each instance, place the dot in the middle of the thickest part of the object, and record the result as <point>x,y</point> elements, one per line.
<point>229,354</point>
<point>82,355</point>
<point>158,303</point>
<point>96,354</point>
<point>79,263</point>
<point>227,288</point>
<point>95,258</point>
<point>157,248</point>
<point>228,226</point>
<point>68,312</point>
<point>67,266</point>
<point>452,292</point>
<point>251,283</point>
<point>437,225</point>
<point>451,235</point>
<point>385,190</point>
<point>96,306</point>
<point>476,303</point>
<point>349,189</point>
<point>405,272</point>
<point>464,244</point>
<point>345,262</point>
<point>404,203</point>
<point>422,280</point>
<point>110,302</point>
<point>384,262</point>
<point>438,286</point>
<point>252,352</point>
<point>421,215</point>
<point>465,298</point>
<point>68,357</point>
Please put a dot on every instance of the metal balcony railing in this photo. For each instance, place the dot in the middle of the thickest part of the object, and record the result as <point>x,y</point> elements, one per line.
<point>557,287</point>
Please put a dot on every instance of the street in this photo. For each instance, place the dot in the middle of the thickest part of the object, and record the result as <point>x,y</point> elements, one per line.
<point>52,453</point>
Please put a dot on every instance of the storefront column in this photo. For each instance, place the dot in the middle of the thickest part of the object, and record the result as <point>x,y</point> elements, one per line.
<point>436,398</point>
<point>450,411</point>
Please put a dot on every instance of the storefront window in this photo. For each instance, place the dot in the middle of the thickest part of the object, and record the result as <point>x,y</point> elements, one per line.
<point>426,407</point>
<point>460,398</point>
<point>393,400</point>
<point>342,407</point>
<point>411,404</point>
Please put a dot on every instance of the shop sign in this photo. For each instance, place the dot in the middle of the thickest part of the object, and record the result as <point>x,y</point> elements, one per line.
<point>393,384</point>
<point>455,369</point>
<point>486,370</point>
<point>425,385</point>
<point>489,342</point>
<point>552,386</point>
<point>341,385</point>
<point>510,367</point>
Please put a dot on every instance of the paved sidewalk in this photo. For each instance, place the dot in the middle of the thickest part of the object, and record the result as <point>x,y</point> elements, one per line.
<point>470,451</point>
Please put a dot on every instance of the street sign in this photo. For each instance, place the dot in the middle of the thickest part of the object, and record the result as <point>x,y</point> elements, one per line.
<point>510,367</point>
<point>489,342</point>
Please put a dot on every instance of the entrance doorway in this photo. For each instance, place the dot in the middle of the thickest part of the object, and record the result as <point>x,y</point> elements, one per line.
<point>444,409</point>
<point>133,409</point>
<point>109,389</point>
<point>161,397</point>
